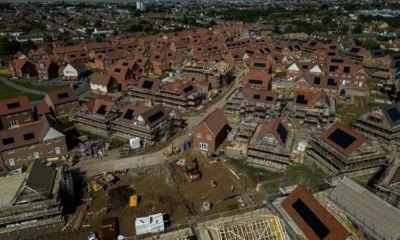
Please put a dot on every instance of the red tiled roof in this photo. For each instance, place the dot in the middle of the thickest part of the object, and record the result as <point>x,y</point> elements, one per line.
<point>22,102</point>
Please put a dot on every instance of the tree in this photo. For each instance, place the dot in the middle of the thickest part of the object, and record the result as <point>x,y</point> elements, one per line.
<point>135,28</point>
<point>48,38</point>
<point>89,31</point>
<point>370,44</point>
<point>276,28</point>
<point>97,24</point>
<point>326,20</point>
<point>5,46</point>
<point>358,29</point>
<point>27,46</point>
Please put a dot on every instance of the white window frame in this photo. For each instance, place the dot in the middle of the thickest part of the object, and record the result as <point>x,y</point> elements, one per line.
<point>14,123</point>
<point>50,150</point>
<point>47,142</point>
<point>8,116</point>
<point>28,155</point>
<point>58,139</point>
<point>11,151</point>
<point>18,158</point>
<point>209,137</point>
<point>27,119</point>
<point>198,135</point>
<point>32,146</point>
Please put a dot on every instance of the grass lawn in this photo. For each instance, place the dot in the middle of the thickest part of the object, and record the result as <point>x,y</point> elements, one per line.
<point>87,90</point>
<point>9,92</point>
<point>44,88</point>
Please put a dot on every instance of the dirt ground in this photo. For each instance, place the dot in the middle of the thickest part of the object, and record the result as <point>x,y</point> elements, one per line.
<point>349,111</point>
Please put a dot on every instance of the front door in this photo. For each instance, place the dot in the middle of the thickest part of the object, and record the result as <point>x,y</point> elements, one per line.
<point>36,154</point>
<point>57,150</point>
<point>11,161</point>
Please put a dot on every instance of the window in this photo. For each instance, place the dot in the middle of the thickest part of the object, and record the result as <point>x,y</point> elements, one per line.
<point>27,119</point>
<point>297,86</point>
<point>203,146</point>
<point>349,76</point>
<point>19,158</point>
<point>11,151</point>
<point>50,150</point>
<point>362,77</point>
<point>8,116</point>
<point>28,155</point>
<point>208,137</point>
<point>14,123</point>
<point>61,111</point>
<point>58,139</point>
<point>24,113</point>
<point>198,135</point>
<point>333,90</point>
<point>356,82</point>
<point>47,142</point>
<point>32,146</point>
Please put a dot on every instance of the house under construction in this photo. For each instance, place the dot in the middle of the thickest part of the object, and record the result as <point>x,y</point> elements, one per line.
<point>30,200</point>
<point>346,151</point>
<point>250,102</point>
<point>312,109</point>
<point>218,74</point>
<point>382,123</point>
<point>174,94</point>
<point>270,145</point>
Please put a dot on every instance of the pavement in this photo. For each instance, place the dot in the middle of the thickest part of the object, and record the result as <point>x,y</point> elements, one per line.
<point>112,163</point>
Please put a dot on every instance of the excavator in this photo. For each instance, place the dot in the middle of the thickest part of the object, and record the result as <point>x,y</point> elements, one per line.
<point>192,169</point>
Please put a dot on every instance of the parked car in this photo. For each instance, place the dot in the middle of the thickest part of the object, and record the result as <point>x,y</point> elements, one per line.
<point>342,93</point>
<point>214,157</point>
<point>348,98</point>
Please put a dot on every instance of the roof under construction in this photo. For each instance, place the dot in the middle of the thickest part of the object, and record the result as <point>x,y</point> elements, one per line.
<point>261,227</point>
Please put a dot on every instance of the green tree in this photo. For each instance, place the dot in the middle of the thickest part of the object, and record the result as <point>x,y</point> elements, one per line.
<point>135,28</point>
<point>5,46</point>
<point>97,24</point>
<point>27,46</point>
<point>358,29</point>
<point>276,28</point>
<point>370,44</point>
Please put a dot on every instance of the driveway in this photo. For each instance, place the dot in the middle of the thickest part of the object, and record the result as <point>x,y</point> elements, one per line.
<point>111,163</point>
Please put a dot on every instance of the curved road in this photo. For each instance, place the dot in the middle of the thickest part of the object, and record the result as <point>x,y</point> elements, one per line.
<point>96,166</point>
<point>16,86</point>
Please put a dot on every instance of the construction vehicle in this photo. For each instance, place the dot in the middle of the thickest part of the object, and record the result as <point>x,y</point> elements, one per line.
<point>101,182</point>
<point>133,201</point>
<point>174,150</point>
<point>213,183</point>
<point>192,171</point>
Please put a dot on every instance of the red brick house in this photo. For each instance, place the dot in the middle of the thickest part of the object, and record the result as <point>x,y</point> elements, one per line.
<point>62,101</point>
<point>209,135</point>
<point>350,74</point>
<point>15,112</point>
<point>103,83</point>
<point>22,68</point>
<point>46,69</point>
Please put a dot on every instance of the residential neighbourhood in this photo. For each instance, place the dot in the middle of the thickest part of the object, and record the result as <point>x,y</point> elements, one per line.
<point>200,120</point>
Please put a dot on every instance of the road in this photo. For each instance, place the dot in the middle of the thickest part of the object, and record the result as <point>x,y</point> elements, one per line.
<point>111,163</point>
<point>11,84</point>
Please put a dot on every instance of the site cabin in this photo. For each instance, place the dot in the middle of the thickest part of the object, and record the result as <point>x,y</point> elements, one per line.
<point>209,135</point>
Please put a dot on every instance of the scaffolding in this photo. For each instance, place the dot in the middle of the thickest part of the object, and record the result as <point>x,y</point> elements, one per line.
<point>264,227</point>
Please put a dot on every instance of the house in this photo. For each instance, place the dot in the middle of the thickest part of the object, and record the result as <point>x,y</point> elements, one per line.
<point>73,71</point>
<point>254,103</point>
<point>15,112</point>
<point>41,109</point>
<point>291,51</point>
<point>103,83</point>
<point>46,69</point>
<point>210,134</point>
<point>103,61</point>
<point>346,151</point>
<point>311,109</point>
<point>144,64</point>
<point>147,123</point>
<point>310,217</point>
<point>298,68</point>
<point>43,52</point>
<point>373,58</point>
<point>257,80</point>
<point>261,65</point>
<point>97,46</point>
<point>95,116</point>
<point>354,53</point>
<point>122,74</point>
<point>43,139</point>
<point>382,123</point>
<point>316,83</point>
<point>271,145</point>
<point>61,101</point>
<point>349,74</point>
<point>22,68</point>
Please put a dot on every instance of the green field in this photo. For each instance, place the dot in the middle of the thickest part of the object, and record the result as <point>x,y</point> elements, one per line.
<point>9,92</point>
<point>44,88</point>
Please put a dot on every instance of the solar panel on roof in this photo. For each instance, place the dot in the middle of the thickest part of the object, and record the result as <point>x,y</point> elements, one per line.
<point>147,84</point>
<point>311,219</point>
<point>262,65</point>
<point>278,48</point>
<point>139,60</point>
<point>301,99</point>
<point>394,114</point>
<point>248,51</point>
<point>156,116</point>
<point>331,82</point>
<point>332,47</point>
<point>305,67</point>
<point>313,44</point>
<point>13,105</point>
<point>117,70</point>
<point>346,69</point>
<point>256,96</point>
<point>29,136</point>
<point>62,95</point>
<point>355,50</point>
<point>317,80</point>
<point>253,81</point>
<point>129,114</point>
<point>124,64</point>
<point>337,60</point>
<point>341,138</point>
<point>282,132</point>
<point>331,54</point>
<point>269,98</point>
<point>102,110</point>
<point>333,68</point>
<point>397,65</point>
<point>188,89</point>
<point>396,57</point>
<point>290,48</point>
<point>7,141</point>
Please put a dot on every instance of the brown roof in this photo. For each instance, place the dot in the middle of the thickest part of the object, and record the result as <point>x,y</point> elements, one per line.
<point>19,63</point>
<point>148,84</point>
<point>69,49</point>
<point>126,63</point>
<point>102,102</point>
<point>140,61</point>
<point>137,110</point>
<point>94,45</point>
<point>308,99</point>
<point>43,64</point>
<point>42,109</point>
<point>259,95</point>
<point>27,134</point>
<point>215,121</point>
<point>349,139</point>
<point>115,55</point>
<point>343,68</point>
<point>118,72</point>
<point>14,105</point>
<point>311,217</point>
<point>78,66</point>
<point>271,127</point>
<point>154,115</point>
<point>100,78</point>
<point>320,81</point>
<point>185,88</point>
<point>259,64</point>
<point>253,79</point>
<point>63,95</point>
